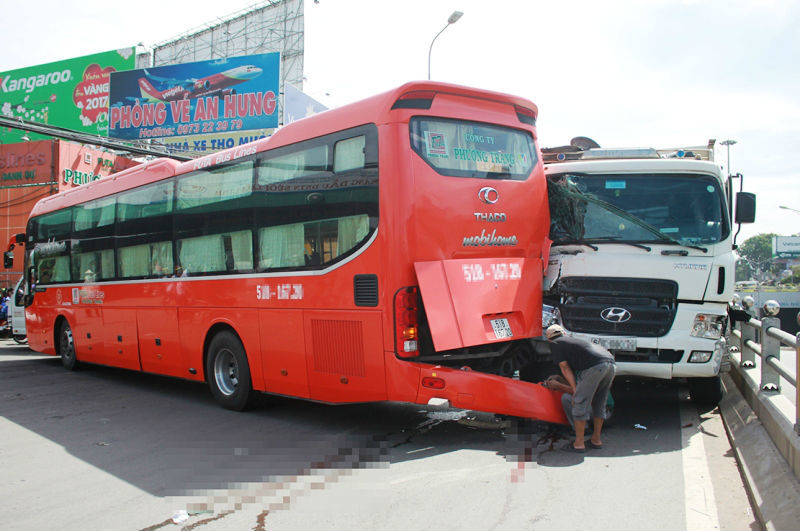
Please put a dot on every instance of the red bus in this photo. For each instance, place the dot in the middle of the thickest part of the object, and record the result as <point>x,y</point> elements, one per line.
<point>391,249</point>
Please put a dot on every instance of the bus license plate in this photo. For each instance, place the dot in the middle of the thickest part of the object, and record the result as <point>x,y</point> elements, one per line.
<point>627,344</point>
<point>501,328</point>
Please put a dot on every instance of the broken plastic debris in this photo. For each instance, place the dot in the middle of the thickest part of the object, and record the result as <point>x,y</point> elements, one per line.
<point>639,427</point>
<point>446,415</point>
<point>180,516</point>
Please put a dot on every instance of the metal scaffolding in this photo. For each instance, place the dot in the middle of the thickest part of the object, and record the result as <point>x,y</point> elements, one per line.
<point>271,26</point>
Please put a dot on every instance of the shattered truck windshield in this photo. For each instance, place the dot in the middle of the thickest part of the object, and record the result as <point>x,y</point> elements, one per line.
<point>643,208</point>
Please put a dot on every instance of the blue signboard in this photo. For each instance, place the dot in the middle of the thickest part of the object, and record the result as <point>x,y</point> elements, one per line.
<point>206,97</point>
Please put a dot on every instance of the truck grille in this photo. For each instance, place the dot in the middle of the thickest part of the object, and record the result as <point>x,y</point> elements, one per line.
<point>633,307</point>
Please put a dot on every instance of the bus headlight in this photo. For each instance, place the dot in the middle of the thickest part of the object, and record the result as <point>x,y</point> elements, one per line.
<point>708,326</point>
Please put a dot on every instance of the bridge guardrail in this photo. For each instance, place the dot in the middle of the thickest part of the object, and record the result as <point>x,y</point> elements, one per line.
<point>764,337</point>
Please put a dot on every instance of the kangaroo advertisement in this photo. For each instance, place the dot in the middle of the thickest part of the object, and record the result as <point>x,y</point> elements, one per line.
<point>72,93</point>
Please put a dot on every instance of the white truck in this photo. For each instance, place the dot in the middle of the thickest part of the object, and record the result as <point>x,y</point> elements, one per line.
<point>642,257</point>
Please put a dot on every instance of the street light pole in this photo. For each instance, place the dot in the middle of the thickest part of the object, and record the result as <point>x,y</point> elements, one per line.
<point>452,20</point>
<point>728,144</point>
<point>789,208</point>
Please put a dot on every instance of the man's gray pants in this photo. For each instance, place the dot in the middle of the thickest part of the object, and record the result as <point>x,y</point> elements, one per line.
<point>591,393</point>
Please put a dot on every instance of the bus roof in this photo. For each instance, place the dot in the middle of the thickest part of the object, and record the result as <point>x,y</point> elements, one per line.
<point>374,109</point>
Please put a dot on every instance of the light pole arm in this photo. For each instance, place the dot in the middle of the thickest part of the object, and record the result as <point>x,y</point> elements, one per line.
<point>431,49</point>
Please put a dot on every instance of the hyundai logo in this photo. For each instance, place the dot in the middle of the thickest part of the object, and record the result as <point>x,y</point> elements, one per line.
<point>488,195</point>
<point>615,315</point>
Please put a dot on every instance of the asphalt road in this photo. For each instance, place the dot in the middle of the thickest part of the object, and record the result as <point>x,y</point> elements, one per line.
<point>103,448</point>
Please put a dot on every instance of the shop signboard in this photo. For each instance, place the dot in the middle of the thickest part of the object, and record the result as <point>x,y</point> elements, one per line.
<point>223,96</point>
<point>72,93</point>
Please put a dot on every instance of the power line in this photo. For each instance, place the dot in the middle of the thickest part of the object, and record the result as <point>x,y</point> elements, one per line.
<point>85,138</point>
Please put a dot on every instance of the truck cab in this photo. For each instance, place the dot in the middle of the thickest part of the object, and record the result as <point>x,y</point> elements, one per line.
<point>642,257</point>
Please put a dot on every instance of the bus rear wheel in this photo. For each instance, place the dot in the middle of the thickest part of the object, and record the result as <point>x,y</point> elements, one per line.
<point>228,372</point>
<point>66,347</point>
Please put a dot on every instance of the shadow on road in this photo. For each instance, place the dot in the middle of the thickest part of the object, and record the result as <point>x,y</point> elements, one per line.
<point>168,436</point>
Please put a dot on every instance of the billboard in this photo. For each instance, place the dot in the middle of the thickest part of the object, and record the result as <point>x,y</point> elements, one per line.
<point>786,246</point>
<point>206,97</point>
<point>297,104</point>
<point>72,93</point>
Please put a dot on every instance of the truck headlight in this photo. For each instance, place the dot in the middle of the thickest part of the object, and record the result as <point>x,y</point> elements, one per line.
<point>708,326</point>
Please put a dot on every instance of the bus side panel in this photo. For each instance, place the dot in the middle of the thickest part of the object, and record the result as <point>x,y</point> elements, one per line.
<point>87,333</point>
<point>159,349</point>
<point>120,338</point>
<point>402,378</point>
<point>283,354</point>
<point>344,352</point>
<point>194,325</point>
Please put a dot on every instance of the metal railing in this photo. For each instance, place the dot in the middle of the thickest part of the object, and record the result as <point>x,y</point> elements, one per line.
<point>764,337</point>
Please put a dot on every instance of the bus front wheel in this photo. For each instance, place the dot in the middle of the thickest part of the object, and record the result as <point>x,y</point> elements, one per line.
<point>66,347</point>
<point>228,372</point>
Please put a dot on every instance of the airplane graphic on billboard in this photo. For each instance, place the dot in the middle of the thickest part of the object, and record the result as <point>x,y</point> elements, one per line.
<point>213,85</point>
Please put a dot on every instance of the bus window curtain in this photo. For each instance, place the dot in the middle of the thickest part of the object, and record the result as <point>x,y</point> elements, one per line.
<point>281,246</point>
<point>350,231</point>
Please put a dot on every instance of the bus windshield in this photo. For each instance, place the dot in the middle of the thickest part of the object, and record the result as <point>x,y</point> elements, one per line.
<point>642,208</point>
<point>459,148</point>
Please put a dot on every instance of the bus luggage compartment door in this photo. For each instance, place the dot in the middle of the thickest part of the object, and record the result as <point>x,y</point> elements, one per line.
<point>481,300</point>
<point>159,348</point>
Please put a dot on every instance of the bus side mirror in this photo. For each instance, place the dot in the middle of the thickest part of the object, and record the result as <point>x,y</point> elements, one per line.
<point>745,207</point>
<point>8,259</point>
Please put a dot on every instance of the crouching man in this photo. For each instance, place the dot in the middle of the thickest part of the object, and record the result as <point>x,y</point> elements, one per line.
<point>589,370</point>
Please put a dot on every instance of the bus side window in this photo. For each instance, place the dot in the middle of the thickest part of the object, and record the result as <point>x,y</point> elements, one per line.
<point>349,154</point>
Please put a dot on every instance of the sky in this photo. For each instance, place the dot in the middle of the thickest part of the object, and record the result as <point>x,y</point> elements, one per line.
<point>654,73</point>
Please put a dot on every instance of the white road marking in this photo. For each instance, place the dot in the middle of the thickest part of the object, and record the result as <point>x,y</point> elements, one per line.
<point>701,505</point>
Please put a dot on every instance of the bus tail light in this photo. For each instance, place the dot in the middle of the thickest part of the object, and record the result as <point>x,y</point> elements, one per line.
<point>417,99</point>
<point>525,115</point>
<point>406,322</point>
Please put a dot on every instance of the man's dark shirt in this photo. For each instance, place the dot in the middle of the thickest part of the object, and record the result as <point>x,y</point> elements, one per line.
<point>578,353</point>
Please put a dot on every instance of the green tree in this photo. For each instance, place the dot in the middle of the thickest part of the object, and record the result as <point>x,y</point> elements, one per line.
<point>755,257</point>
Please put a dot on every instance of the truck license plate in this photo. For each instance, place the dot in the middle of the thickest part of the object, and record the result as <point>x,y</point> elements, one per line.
<point>501,328</point>
<point>617,343</point>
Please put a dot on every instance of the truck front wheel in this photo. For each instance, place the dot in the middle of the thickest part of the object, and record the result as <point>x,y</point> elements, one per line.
<point>705,391</point>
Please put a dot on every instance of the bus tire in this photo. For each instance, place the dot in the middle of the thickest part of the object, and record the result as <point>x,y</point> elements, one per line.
<point>66,347</point>
<point>228,372</point>
<point>705,391</point>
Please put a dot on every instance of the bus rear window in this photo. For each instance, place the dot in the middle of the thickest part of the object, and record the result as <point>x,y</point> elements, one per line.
<point>459,148</point>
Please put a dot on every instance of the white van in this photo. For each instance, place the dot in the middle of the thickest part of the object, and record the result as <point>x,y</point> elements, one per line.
<point>16,314</point>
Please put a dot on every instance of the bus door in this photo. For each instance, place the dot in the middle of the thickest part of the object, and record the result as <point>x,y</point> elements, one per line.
<point>344,356</point>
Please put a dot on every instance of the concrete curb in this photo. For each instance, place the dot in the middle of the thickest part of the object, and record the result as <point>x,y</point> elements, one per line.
<point>772,485</point>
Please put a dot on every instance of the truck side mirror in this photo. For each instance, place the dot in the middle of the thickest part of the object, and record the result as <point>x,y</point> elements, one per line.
<point>745,207</point>
<point>8,259</point>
